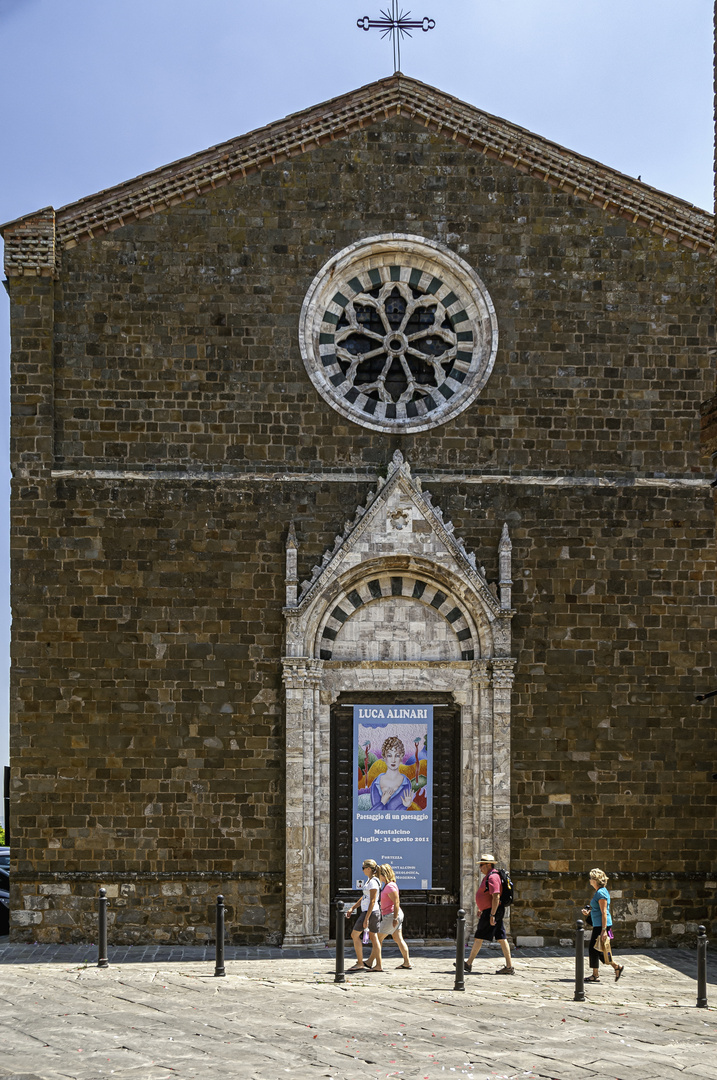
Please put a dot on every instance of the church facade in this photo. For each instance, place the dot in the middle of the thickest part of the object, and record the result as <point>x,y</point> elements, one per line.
<point>391,403</point>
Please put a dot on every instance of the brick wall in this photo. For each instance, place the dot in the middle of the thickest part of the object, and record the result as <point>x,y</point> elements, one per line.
<point>176,337</point>
<point>147,728</point>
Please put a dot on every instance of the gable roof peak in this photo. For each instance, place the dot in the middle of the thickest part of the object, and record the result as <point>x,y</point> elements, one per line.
<point>395,95</point>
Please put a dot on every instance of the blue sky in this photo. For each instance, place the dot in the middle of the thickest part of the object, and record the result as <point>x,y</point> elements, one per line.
<point>97,91</point>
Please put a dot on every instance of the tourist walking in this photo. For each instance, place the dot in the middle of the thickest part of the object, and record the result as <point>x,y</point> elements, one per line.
<point>490,916</point>
<point>391,917</point>
<point>601,938</point>
<point>369,916</point>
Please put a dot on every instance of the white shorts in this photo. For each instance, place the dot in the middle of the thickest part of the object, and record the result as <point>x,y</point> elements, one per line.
<point>387,926</point>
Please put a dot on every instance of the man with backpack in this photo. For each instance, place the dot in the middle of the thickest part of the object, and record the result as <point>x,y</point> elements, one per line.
<point>495,893</point>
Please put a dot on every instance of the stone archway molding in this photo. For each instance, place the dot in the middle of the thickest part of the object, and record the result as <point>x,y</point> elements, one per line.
<point>397,534</point>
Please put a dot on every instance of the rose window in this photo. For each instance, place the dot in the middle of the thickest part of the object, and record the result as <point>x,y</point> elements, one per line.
<point>396,343</point>
<point>395,340</point>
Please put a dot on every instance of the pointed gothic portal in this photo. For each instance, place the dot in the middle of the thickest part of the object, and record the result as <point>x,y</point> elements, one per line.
<point>397,607</point>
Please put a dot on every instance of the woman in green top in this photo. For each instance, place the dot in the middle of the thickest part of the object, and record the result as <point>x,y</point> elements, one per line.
<point>601,921</point>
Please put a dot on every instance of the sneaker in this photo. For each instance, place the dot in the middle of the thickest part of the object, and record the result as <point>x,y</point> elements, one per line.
<point>506,971</point>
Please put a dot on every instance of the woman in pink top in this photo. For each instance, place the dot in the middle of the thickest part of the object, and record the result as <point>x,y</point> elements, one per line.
<point>391,917</point>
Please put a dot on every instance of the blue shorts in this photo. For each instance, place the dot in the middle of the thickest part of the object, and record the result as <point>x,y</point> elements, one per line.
<point>487,931</point>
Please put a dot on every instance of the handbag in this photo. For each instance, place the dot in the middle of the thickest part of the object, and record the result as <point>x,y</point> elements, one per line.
<point>607,949</point>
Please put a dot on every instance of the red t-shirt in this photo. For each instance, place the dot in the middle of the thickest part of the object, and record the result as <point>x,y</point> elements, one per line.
<point>484,900</point>
<point>388,897</point>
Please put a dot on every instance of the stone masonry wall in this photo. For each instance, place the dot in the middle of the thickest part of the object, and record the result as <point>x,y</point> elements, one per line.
<point>147,732</point>
<point>141,911</point>
<point>176,337</point>
<point>647,909</point>
<point>152,738</point>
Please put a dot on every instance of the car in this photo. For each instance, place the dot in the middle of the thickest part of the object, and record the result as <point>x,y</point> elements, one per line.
<point>4,902</point>
<point>4,858</point>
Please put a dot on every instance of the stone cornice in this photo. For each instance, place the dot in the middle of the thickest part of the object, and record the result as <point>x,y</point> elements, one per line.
<point>503,673</point>
<point>480,674</point>
<point>223,474</point>
<point>615,193</point>
<point>30,245</point>
<point>396,665</point>
<point>301,672</point>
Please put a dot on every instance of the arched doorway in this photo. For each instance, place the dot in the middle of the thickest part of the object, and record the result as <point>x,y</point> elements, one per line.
<point>430,913</point>
<point>397,609</point>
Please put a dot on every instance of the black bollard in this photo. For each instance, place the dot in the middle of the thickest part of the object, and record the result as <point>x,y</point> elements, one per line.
<point>219,964</point>
<point>339,977</point>
<point>460,984</point>
<point>702,968</point>
<point>579,962</point>
<point>102,961</point>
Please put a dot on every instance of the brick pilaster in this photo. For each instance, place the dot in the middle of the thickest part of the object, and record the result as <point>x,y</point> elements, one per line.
<point>32,404</point>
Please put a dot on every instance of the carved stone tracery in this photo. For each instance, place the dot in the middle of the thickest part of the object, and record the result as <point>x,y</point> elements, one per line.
<point>398,333</point>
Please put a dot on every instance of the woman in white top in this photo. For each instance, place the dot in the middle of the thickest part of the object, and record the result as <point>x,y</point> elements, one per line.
<point>369,917</point>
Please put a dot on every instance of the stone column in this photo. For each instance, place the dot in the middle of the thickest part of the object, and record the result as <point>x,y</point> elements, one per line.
<point>478,786</point>
<point>302,678</point>
<point>502,669</point>
<point>484,823</point>
<point>322,811</point>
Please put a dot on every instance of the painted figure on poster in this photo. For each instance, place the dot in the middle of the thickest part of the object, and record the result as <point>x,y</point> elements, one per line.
<point>391,789</point>
<point>389,778</point>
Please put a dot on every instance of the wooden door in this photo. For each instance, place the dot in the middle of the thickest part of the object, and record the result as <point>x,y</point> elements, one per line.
<point>429,913</point>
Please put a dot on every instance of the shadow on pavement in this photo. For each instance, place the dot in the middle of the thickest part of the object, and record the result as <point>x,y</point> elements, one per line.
<point>685,961</point>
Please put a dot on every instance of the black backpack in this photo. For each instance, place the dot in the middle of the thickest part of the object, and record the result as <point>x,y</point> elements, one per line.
<point>507,892</point>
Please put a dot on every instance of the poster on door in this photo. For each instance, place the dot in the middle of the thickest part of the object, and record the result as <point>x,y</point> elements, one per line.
<point>393,791</point>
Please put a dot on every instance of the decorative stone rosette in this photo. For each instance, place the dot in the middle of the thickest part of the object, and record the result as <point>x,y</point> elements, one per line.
<point>398,333</point>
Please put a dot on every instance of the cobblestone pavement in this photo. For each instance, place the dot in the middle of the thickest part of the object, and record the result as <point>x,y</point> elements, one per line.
<point>160,1013</point>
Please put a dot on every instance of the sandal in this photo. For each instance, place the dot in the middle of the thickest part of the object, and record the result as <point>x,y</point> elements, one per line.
<point>618,971</point>
<point>406,967</point>
<point>592,978</point>
<point>356,967</point>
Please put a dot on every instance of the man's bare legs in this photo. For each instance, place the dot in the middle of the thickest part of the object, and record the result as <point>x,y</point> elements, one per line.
<point>477,942</point>
<point>506,954</point>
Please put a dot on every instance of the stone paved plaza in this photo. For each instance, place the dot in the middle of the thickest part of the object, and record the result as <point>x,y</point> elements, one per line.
<point>159,1012</point>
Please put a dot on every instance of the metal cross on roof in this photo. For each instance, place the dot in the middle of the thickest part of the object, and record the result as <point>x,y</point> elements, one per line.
<point>398,24</point>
